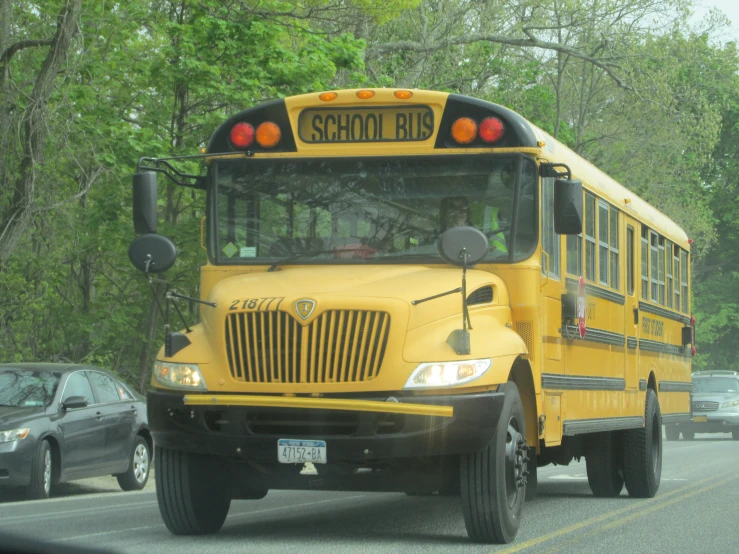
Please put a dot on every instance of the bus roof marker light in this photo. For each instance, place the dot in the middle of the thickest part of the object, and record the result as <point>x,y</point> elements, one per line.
<point>403,94</point>
<point>327,96</point>
<point>365,94</point>
<point>268,134</point>
<point>491,129</point>
<point>690,241</point>
<point>464,130</point>
<point>242,135</point>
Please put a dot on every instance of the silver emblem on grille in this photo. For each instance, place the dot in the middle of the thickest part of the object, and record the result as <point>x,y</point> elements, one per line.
<point>304,308</point>
<point>702,406</point>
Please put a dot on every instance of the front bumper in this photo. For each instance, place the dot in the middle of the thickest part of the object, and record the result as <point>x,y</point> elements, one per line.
<point>16,458</point>
<point>250,432</point>
<point>716,422</point>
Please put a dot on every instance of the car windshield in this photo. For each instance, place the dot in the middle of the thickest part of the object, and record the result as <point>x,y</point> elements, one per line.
<point>716,384</point>
<point>372,209</point>
<point>26,387</point>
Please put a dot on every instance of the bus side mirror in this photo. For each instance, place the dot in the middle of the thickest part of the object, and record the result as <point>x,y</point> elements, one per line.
<point>145,209</point>
<point>567,207</point>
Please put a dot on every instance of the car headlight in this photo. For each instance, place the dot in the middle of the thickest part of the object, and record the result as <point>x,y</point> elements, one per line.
<point>446,374</point>
<point>179,376</point>
<point>730,404</point>
<point>14,434</point>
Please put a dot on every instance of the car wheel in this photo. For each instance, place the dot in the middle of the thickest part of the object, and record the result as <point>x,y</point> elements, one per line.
<point>41,473</point>
<point>672,433</point>
<point>643,452</point>
<point>137,474</point>
<point>688,435</point>
<point>493,480</point>
<point>735,434</point>
<point>192,492</point>
<point>604,465</point>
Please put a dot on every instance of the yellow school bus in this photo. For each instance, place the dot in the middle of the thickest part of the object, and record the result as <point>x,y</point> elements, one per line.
<point>417,292</point>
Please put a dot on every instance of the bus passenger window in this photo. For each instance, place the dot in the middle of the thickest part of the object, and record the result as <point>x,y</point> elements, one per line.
<point>613,243</point>
<point>602,243</point>
<point>676,274</point>
<point>668,273</point>
<point>684,278</point>
<point>654,266</point>
<point>630,260</point>
<point>550,240</point>
<point>590,237</point>
<point>574,254</point>
<point>645,263</point>
<point>661,278</point>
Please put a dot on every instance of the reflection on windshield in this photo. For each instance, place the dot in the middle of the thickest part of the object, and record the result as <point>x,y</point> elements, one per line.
<point>368,209</point>
<point>716,384</point>
<point>25,388</point>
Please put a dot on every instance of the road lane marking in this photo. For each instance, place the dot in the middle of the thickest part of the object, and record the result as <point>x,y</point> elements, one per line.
<point>68,513</point>
<point>608,515</point>
<point>230,516</point>
<point>639,513</point>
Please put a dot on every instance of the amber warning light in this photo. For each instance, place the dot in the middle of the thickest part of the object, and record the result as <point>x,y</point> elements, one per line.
<point>465,130</point>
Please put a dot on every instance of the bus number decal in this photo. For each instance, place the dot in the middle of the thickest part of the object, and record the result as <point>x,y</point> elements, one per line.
<point>256,304</point>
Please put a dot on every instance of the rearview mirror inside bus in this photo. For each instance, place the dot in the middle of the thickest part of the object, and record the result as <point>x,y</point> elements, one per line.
<point>567,207</point>
<point>145,211</point>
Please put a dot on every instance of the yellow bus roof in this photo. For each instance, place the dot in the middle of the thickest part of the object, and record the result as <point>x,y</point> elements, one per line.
<point>609,189</point>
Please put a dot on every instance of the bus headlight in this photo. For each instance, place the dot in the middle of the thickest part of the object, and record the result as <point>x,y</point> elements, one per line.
<point>447,374</point>
<point>731,404</point>
<point>179,376</point>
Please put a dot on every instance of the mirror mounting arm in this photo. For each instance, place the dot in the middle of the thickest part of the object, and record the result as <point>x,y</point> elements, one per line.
<point>548,169</point>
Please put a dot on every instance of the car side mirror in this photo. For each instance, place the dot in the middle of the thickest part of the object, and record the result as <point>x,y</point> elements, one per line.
<point>567,207</point>
<point>145,208</point>
<point>73,402</point>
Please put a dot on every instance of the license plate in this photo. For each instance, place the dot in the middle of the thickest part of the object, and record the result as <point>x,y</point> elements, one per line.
<point>700,419</point>
<point>371,124</point>
<point>296,451</point>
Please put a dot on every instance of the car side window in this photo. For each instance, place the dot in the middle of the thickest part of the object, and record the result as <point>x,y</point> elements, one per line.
<point>106,387</point>
<point>123,394</point>
<point>79,385</point>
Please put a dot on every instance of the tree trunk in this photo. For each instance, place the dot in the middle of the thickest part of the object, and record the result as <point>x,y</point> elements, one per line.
<point>16,216</point>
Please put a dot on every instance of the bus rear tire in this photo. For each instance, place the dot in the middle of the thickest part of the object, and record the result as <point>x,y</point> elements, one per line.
<point>532,480</point>
<point>492,481</point>
<point>672,433</point>
<point>603,462</point>
<point>643,452</point>
<point>191,492</point>
<point>688,435</point>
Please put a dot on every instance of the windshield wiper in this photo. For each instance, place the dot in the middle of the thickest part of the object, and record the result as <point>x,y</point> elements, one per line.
<point>294,257</point>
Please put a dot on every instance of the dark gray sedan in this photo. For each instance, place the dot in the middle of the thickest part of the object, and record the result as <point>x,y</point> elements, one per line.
<point>62,422</point>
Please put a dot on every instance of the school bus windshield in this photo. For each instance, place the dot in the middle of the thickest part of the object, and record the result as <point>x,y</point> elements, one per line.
<point>371,209</point>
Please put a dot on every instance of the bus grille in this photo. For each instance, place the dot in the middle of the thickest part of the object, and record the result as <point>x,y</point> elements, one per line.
<point>704,406</point>
<point>339,346</point>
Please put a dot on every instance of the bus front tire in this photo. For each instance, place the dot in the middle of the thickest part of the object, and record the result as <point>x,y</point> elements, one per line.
<point>672,433</point>
<point>492,481</point>
<point>643,452</point>
<point>688,435</point>
<point>191,492</point>
<point>603,463</point>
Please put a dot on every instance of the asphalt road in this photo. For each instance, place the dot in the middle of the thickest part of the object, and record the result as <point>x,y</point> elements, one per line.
<point>696,510</point>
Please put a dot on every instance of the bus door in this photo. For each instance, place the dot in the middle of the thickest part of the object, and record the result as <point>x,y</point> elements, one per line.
<point>631,312</point>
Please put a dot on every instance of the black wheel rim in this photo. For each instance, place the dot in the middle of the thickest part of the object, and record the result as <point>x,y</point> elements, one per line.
<point>516,461</point>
